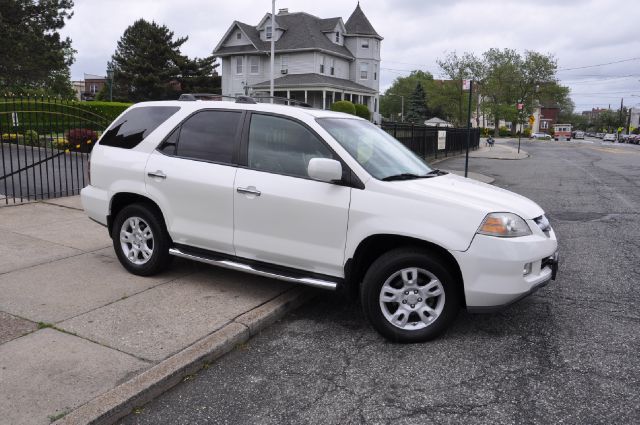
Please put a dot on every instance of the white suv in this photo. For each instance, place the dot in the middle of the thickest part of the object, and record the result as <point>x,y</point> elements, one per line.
<point>317,198</point>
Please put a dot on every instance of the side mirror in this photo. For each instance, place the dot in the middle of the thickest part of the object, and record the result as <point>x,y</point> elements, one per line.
<point>324,169</point>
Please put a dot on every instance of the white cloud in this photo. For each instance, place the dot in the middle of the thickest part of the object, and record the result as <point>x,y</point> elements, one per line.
<point>416,33</point>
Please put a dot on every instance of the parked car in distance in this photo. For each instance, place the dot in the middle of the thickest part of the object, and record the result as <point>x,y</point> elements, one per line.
<point>578,134</point>
<point>609,137</point>
<point>634,139</point>
<point>599,135</point>
<point>316,198</point>
<point>542,136</point>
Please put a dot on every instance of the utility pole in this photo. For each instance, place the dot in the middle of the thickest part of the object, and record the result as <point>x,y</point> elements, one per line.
<point>466,160</point>
<point>273,46</point>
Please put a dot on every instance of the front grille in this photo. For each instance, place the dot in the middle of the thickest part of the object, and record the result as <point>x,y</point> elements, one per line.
<point>543,224</point>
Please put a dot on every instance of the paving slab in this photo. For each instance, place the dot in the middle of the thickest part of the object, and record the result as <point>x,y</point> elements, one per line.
<point>20,251</point>
<point>36,214</point>
<point>12,327</point>
<point>161,321</point>
<point>48,373</point>
<point>81,233</point>
<point>67,201</point>
<point>63,289</point>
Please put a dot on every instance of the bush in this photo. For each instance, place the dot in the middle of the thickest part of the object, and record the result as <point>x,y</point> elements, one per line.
<point>504,132</point>
<point>81,138</point>
<point>31,137</point>
<point>362,111</point>
<point>12,138</point>
<point>344,106</point>
<point>527,132</point>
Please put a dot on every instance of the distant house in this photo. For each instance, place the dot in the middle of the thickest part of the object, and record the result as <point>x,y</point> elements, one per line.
<point>78,89</point>
<point>92,85</point>
<point>437,122</point>
<point>318,61</point>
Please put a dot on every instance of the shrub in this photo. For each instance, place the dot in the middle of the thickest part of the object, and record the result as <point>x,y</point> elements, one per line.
<point>503,132</point>
<point>527,132</point>
<point>362,111</point>
<point>31,137</point>
<point>344,106</point>
<point>81,138</point>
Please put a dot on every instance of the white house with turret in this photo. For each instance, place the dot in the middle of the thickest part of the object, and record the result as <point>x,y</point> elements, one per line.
<point>318,61</point>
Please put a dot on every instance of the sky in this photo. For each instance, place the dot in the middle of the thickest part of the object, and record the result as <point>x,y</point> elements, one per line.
<point>595,42</point>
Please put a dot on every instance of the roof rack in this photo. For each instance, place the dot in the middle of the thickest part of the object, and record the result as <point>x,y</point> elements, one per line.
<point>191,97</point>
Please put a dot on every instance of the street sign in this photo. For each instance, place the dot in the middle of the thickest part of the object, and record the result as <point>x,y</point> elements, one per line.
<point>442,140</point>
<point>520,106</point>
<point>466,84</point>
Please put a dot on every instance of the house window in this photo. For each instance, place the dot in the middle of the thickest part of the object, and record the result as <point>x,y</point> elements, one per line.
<point>365,43</point>
<point>239,65</point>
<point>254,64</point>
<point>544,125</point>
<point>337,36</point>
<point>375,104</point>
<point>375,71</point>
<point>269,32</point>
<point>321,64</point>
<point>238,35</point>
<point>377,45</point>
<point>93,88</point>
<point>364,70</point>
<point>284,62</point>
<point>332,70</point>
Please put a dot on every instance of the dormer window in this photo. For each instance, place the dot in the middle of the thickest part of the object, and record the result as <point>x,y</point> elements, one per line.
<point>269,32</point>
<point>238,35</point>
<point>365,43</point>
<point>337,36</point>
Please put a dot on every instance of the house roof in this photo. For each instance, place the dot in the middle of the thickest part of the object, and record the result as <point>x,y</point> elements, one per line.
<point>303,32</point>
<point>309,80</point>
<point>358,24</point>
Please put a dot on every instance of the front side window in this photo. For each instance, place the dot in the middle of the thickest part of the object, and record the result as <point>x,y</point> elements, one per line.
<point>269,32</point>
<point>332,71</point>
<point>238,35</point>
<point>239,64</point>
<point>284,61</point>
<point>375,71</point>
<point>209,136</point>
<point>337,36</point>
<point>282,146</point>
<point>374,149</point>
<point>365,43</point>
<point>364,71</point>
<point>135,125</point>
<point>321,64</point>
<point>254,62</point>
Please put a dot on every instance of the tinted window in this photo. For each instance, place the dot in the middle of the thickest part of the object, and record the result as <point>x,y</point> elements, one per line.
<point>210,136</point>
<point>283,146</point>
<point>135,125</point>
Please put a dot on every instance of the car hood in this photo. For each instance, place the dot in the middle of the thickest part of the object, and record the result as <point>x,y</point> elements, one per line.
<point>473,194</point>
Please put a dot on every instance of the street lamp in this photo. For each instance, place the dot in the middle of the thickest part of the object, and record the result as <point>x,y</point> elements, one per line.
<point>401,104</point>
<point>110,78</point>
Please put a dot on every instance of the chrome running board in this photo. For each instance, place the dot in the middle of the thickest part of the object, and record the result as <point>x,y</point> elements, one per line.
<point>236,265</point>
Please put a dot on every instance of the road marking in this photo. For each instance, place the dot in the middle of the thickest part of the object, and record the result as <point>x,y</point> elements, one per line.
<point>616,150</point>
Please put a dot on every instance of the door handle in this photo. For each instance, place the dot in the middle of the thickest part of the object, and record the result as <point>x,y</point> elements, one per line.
<point>159,174</point>
<point>249,191</point>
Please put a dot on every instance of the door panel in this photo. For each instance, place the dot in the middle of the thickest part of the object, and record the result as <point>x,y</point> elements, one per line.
<point>196,198</point>
<point>293,222</point>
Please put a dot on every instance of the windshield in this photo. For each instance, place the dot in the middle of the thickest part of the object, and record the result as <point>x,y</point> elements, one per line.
<point>375,150</point>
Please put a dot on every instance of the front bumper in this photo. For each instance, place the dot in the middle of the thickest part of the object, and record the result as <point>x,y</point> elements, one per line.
<point>493,269</point>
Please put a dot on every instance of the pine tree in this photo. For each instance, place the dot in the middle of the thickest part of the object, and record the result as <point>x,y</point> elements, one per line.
<point>417,108</point>
<point>148,65</point>
<point>34,58</point>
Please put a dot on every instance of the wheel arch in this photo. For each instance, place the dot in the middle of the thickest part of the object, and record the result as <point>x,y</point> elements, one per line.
<point>122,199</point>
<point>372,247</point>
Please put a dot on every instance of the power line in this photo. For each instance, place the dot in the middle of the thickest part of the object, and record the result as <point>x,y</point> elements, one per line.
<point>600,64</point>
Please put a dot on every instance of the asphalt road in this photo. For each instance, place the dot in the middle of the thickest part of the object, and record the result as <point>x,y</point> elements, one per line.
<point>568,353</point>
<point>30,173</point>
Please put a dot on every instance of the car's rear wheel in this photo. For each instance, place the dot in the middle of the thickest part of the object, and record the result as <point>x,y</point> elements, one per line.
<point>408,295</point>
<point>140,240</point>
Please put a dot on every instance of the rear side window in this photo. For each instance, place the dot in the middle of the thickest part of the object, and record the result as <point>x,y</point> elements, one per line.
<point>209,136</point>
<point>135,125</point>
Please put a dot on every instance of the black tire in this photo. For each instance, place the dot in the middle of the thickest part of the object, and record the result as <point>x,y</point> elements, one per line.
<point>393,262</point>
<point>160,244</point>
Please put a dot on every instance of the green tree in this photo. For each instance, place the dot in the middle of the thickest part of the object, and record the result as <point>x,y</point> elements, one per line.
<point>448,96</point>
<point>148,64</point>
<point>402,87</point>
<point>417,106</point>
<point>34,58</point>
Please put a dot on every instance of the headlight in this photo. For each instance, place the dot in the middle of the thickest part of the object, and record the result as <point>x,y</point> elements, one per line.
<point>504,225</point>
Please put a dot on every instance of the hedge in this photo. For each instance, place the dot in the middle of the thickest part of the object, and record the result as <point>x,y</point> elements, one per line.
<point>344,106</point>
<point>363,111</point>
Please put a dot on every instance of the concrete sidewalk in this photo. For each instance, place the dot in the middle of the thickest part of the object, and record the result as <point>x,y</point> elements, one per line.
<point>498,151</point>
<point>83,341</point>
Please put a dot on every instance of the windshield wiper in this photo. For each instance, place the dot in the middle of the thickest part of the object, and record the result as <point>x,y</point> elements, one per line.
<point>406,176</point>
<point>436,172</point>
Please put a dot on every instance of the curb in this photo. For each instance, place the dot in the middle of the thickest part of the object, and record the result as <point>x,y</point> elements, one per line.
<point>116,403</point>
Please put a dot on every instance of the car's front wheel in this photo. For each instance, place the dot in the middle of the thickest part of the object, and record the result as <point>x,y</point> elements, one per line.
<point>140,240</point>
<point>408,295</point>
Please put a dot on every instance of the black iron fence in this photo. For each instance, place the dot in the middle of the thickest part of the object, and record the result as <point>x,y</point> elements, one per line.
<point>44,146</point>
<point>433,142</point>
